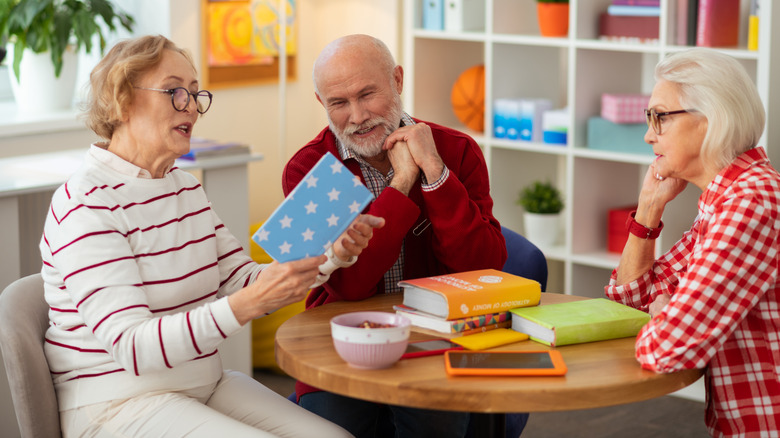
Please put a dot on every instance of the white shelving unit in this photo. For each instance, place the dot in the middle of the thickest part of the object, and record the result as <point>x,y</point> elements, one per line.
<point>573,71</point>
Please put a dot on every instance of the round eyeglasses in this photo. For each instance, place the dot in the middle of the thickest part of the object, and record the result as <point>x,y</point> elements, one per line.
<point>654,118</point>
<point>180,98</point>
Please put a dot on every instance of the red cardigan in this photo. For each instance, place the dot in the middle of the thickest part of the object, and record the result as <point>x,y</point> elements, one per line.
<point>463,234</point>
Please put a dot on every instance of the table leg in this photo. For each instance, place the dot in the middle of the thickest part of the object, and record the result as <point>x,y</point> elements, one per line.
<point>489,425</point>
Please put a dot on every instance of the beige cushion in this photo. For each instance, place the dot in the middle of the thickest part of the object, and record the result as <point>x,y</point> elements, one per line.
<point>23,322</point>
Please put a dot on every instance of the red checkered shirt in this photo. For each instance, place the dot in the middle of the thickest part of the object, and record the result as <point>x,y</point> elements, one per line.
<point>724,313</point>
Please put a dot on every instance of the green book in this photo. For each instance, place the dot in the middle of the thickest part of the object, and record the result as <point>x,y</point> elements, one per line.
<point>576,322</point>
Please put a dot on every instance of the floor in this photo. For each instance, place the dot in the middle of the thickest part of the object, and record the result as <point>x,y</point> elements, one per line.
<point>668,417</point>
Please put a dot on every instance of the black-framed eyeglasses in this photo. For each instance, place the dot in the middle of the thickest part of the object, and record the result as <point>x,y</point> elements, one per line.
<point>654,118</point>
<point>180,98</point>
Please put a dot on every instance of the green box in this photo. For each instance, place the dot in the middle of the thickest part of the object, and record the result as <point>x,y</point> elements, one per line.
<point>618,137</point>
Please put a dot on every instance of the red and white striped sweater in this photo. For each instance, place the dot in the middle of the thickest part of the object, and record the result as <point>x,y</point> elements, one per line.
<point>136,273</point>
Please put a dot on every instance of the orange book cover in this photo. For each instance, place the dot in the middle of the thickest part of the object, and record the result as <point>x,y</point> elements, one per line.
<point>463,294</point>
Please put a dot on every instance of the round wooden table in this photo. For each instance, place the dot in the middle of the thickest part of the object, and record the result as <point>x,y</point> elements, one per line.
<point>599,373</point>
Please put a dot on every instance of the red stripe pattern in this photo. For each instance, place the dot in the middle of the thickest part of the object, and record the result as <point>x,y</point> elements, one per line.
<point>135,271</point>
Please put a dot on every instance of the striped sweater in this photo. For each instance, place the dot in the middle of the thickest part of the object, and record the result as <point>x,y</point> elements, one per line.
<point>136,272</point>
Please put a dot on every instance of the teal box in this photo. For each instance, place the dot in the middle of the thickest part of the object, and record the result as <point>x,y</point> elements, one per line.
<point>618,137</point>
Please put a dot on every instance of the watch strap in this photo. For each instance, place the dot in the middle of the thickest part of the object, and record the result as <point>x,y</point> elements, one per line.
<point>642,231</point>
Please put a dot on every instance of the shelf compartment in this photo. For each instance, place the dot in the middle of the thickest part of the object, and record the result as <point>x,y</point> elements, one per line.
<point>435,72</point>
<point>594,77</point>
<point>597,187</point>
<point>516,17</point>
<point>511,170</point>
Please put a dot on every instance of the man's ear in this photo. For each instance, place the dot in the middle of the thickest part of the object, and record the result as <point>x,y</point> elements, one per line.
<point>398,77</point>
<point>318,99</point>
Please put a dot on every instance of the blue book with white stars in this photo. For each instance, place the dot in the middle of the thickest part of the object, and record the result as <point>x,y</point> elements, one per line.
<point>315,213</point>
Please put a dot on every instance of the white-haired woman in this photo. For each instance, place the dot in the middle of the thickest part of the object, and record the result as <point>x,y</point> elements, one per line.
<point>713,296</point>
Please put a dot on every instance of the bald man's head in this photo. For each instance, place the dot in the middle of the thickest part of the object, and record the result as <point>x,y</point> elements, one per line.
<point>359,85</point>
<point>353,52</point>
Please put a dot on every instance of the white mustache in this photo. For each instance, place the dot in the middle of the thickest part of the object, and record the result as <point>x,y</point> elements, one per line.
<point>349,130</point>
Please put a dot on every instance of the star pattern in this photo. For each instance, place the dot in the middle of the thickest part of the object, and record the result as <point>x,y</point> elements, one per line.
<point>315,213</point>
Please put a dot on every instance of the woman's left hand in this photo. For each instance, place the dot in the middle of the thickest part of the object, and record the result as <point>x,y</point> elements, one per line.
<point>353,241</point>
<point>659,303</point>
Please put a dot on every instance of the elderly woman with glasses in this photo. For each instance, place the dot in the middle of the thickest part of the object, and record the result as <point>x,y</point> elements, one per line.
<point>714,295</point>
<point>145,282</point>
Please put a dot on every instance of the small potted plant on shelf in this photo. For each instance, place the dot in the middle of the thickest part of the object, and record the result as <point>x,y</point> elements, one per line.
<point>43,38</point>
<point>542,203</point>
<point>553,16</point>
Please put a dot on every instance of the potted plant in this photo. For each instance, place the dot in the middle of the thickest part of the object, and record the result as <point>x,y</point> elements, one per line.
<point>553,16</point>
<point>542,203</point>
<point>43,38</point>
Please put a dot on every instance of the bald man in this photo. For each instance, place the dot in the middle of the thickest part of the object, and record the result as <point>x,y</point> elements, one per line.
<point>431,186</point>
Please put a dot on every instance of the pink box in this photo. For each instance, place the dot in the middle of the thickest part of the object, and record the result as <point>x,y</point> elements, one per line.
<point>624,108</point>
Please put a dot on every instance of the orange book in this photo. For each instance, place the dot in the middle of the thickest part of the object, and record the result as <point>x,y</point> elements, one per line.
<point>470,293</point>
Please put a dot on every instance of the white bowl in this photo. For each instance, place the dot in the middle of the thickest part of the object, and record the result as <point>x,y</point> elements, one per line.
<point>370,348</point>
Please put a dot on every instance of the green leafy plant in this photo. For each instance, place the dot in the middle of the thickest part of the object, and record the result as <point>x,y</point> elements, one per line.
<point>51,25</point>
<point>541,197</point>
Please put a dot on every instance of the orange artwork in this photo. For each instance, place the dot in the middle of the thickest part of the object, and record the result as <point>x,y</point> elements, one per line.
<point>247,32</point>
<point>243,39</point>
<point>230,35</point>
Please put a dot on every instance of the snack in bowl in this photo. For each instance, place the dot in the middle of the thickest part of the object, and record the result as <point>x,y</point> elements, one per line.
<point>370,340</point>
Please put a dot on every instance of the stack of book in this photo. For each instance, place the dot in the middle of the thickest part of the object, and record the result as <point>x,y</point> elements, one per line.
<point>206,148</point>
<point>634,21</point>
<point>466,302</point>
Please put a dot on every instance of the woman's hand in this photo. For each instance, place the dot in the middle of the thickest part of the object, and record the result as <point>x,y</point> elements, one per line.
<point>658,190</point>
<point>658,304</point>
<point>278,285</point>
<point>353,241</point>
<point>639,254</point>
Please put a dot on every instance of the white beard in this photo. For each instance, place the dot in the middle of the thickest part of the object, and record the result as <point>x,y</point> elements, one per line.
<point>369,148</point>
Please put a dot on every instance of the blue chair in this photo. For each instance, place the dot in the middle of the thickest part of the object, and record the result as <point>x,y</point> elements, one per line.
<point>524,258</point>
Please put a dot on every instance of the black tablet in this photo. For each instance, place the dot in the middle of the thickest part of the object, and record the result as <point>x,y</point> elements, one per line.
<point>505,363</point>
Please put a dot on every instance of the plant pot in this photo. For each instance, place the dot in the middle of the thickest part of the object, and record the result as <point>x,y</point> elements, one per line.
<point>38,90</point>
<point>542,229</point>
<point>553,19</point>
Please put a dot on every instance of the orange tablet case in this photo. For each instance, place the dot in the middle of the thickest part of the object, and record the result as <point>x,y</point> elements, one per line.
<point>457,363</point>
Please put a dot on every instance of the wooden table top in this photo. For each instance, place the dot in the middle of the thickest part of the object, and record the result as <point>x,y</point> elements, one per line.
<point>599,373</point>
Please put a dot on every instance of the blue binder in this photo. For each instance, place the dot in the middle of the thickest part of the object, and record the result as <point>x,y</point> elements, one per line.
<point>433,14</point>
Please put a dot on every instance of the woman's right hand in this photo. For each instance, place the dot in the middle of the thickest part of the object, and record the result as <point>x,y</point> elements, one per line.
<point>658,191</point>
<point>278,285</point>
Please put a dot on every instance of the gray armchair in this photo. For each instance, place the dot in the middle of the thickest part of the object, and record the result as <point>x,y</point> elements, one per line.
<point>23,323</point>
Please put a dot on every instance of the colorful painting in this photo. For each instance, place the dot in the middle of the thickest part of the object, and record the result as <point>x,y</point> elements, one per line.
<point>248,32</point>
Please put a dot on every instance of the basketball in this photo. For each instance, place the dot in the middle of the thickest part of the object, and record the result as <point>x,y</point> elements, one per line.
<point>468,98</point>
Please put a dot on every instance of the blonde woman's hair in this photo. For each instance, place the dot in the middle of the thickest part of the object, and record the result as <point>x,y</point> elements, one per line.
<point>111,81</point>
